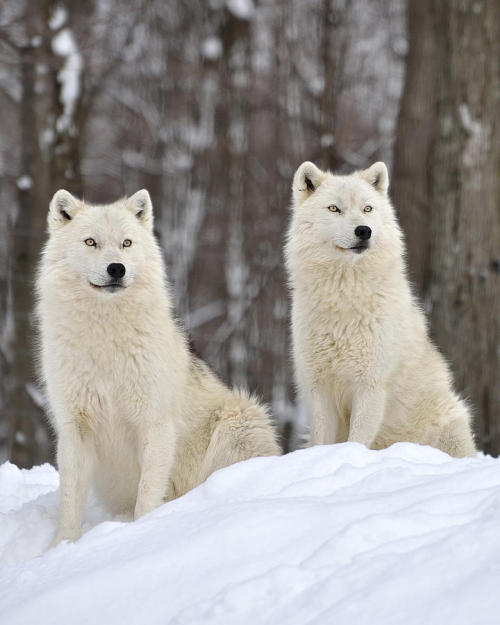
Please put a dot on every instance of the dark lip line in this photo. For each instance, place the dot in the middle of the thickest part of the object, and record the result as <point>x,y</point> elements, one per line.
<point>105,286</point>
<point>355,247</point>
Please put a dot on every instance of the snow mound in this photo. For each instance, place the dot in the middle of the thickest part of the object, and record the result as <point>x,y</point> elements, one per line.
<point>330,535</point>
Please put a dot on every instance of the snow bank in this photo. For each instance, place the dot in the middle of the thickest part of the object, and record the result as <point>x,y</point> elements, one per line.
<point>330,535</point>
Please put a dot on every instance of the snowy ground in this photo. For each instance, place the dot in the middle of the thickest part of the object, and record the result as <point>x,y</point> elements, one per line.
<point>332,535</point>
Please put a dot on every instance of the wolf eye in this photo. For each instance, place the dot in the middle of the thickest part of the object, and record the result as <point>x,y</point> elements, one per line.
<point>127,243</point>
<point>90,242</point>
<point>334,209</point>
<point>368,209</point>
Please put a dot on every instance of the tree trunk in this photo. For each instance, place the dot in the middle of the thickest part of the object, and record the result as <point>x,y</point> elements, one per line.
<point>464,284</point>
<point>43,107</point>
<point>327,110</point>
<point>25,415</point>
<point>414,133</point>
<point>67,112</point>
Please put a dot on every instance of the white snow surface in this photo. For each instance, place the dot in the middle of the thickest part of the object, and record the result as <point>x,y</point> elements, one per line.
<point>329,535</point>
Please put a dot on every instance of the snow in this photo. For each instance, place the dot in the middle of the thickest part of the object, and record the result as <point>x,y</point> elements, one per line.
<point>24,182</point>
<point>211,48</point>
<point>64,44</point>
<point>473,127</point>
<point>335,534</point>
<point>205,314</point>
<point>327,140</point>
<point>476,143</point>
<point>58,17</point>
<point>36,395</point>
<point>242,9</point>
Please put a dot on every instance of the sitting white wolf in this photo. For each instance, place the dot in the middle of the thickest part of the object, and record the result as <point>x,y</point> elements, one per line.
<point>364,362</point>
<point>135,413</point>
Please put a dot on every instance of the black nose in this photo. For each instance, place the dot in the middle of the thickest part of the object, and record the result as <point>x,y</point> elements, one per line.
<point>363,232</point>
<point>116,270</point>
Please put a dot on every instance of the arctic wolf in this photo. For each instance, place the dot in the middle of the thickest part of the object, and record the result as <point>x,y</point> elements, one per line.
<point>364,362</point>
<point>135,413</point>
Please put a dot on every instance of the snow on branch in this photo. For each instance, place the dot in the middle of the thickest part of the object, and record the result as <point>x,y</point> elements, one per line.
<point>64,45</point>
<point>242,9</point>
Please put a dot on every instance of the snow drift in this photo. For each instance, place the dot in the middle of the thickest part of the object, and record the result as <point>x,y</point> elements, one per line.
<point>328,535</point>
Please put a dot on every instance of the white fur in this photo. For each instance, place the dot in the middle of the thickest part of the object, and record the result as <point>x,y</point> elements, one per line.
<point>136,414</point>
<point>364,362</point>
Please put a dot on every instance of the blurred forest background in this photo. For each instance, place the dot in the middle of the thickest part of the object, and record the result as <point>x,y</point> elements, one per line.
<point>211,105</point>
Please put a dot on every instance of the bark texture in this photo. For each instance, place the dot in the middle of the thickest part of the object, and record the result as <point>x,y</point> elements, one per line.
<point>464,268</point>
<point>415,128</point>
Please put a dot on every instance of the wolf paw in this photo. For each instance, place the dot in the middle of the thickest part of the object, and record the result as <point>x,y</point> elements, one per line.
<point>68,535</point>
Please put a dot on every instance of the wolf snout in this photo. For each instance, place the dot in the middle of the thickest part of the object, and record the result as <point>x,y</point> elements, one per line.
<point>116,270</point>
<point>363,232</point>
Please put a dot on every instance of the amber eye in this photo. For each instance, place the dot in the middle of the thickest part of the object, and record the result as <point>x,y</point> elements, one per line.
<point>127,243</point>
<point>334,209</point>
<point>90,242</point>
<point>368,209</point>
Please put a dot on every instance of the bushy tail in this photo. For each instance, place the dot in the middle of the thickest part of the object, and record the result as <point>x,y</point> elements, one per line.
<point>243,430</point>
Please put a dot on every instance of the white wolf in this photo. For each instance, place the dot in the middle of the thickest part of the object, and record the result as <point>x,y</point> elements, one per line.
<point>135,413</point>
<point>364,362</point>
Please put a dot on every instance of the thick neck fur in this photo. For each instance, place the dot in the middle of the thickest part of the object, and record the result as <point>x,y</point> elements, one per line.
<point>146,297</point>
<point>319,279</point>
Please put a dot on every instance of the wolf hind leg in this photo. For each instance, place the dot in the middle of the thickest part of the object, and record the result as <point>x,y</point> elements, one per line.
<point>456,439</point>
<point>242,430</point>
<point>455,436</point>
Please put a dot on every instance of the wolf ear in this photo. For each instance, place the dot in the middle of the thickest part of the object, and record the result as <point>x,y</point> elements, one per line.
<point>62,209</point>
<point>306,180</point>
<point>377,176</point>
<point>140,205</point>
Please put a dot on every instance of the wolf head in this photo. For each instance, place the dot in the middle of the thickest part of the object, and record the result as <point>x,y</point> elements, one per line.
<point>103,249</point>
<point>344,218</point>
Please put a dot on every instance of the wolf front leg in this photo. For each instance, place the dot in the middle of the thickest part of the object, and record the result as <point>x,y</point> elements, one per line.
<point>367,414</point>
<point>157,458</point>
<point>326,425</point>
<point>75,458</point>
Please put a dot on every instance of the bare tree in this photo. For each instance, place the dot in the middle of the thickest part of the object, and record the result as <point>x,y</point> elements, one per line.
<point>212,106</point>
<point>464,269</point>
<point>53,107</point>
<point>21,406</point>
<point>410,186</point>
